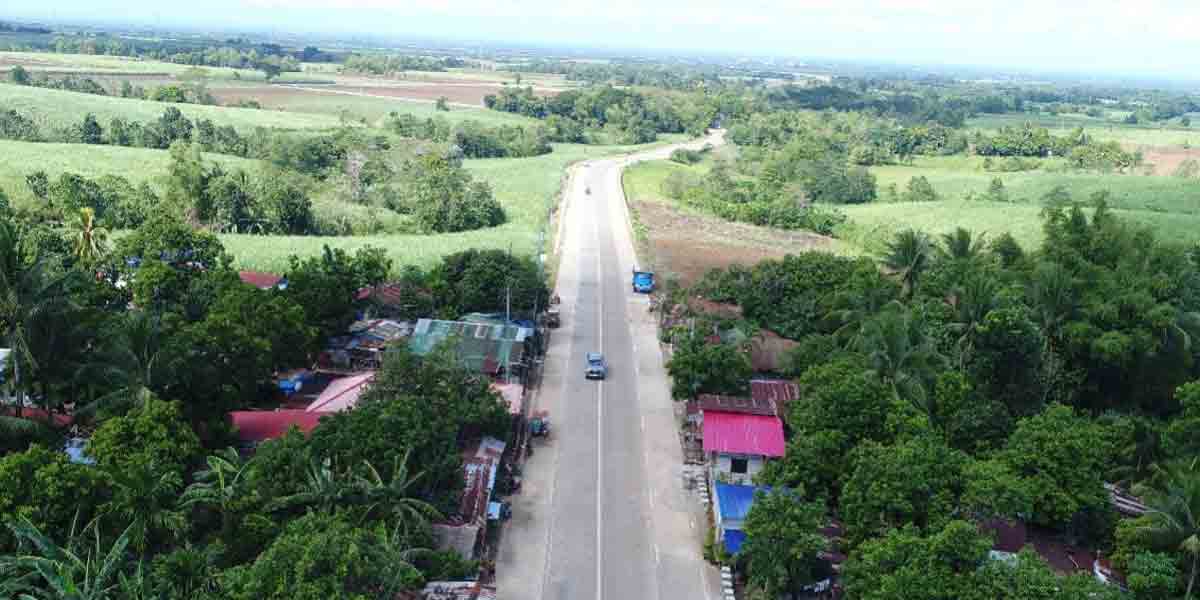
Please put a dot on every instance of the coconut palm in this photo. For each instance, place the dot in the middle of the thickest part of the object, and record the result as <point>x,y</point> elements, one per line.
<point>897,348</point>
<point>1174,501</point>
<point>32,295</point>
<point>145,499</point>
<point>908,256</point>
<point>90,240</point>
<point>961,244</point>
<point>42,569</point>
<point>1053,297</point>
<point>129,361</point>
<point>972,301</point>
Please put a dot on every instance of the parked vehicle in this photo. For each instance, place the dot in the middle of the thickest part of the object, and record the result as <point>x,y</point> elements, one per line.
<point>643,282</point>
<point>553,319</point>
<point>597,367</point>
<point>539,425</point>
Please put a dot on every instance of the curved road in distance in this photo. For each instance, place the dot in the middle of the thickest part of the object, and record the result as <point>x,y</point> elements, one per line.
<point>603,513</point>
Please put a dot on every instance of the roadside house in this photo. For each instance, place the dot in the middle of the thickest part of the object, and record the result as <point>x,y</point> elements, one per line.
<point>731,504</point>
<point>738,445</point>
<point>257,426</point>
<point>263,281</point>
<point>489,348</point>
<point>465,531</point>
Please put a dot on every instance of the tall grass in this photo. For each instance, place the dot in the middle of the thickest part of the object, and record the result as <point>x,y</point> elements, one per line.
<point>1152,134</point>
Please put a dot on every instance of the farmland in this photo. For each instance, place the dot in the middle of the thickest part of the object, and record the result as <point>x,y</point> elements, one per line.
<point>683,243</point>
<point>57,108</point>
<point>526,187</point>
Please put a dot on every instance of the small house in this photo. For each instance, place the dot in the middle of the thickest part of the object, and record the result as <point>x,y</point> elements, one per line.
<point>488,348</point>
<point>263,281</point>
<point>731,504</point>
<point>738,445</point>
<point>465,531</point>
<point>342,394</point>
<point>257,426</point>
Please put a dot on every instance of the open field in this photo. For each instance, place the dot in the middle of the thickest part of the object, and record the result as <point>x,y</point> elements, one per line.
<point>368,105</point>
<point>18,159</point>
<point>128,66</point>
<point>57,108</point>
<point>954,176</point>
<point>1170,134</point>
<point>685,244</point>
<point>525,186</point>
<point>870,225</point>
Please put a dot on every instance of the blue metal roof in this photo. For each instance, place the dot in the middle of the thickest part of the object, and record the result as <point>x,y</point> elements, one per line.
<point>733,540</point>
<point>735,500</point>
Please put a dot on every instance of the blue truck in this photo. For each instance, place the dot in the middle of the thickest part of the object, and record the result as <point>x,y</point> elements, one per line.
<point>643,282</point>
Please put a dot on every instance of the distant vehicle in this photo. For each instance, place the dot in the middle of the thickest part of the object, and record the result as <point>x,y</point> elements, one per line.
<point>553,317</point>
<point>597,367</point>
<point>643,282</point>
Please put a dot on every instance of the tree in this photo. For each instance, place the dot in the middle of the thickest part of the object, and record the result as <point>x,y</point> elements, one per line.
<point>46,488</point>
<point>143,503</point>
<point>996,191</point>
<point>322,556</point>
<point>153,434</point>
<point>89,239</point>
<point>908,256</point>
<point>90,131</point>
<point>326,286</point>
<point>896,346</point>
<point>39,185</point>
<point>486,281</point>
<point>19,75</point>
<point>919,190</point>
<point>442,104</point>
<point>1174,523</point>
<point>1061,456</point>
<point>783,541</point>
<point>1153,576</point>
<point>905,564</point>
<point>917,482</point>
<point>700,367</point>
<point>1180,440</point>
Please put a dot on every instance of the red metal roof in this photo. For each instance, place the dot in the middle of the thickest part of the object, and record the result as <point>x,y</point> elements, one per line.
<point>260,280</point>
<point>262,425</point>
<point>342,394</point>
<point>736,404</point>
<point>732,433</point>
<point>779,391</point>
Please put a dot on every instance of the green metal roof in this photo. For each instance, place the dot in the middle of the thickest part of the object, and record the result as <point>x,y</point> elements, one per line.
<point>483,347</point>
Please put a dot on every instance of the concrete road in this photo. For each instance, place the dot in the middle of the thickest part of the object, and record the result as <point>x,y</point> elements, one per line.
<point>603,513</point>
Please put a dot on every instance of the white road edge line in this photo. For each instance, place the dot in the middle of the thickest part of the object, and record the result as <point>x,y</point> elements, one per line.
<point>599,428</point>
<point>657,558</point>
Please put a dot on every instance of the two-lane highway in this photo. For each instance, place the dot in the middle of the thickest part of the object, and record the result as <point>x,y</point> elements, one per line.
<point>602,514</point>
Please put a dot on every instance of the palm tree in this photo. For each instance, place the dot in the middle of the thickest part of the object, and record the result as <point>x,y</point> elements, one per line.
<point>1053,298</point>
<point>42,569</point>
<point>897,348</point>
<point>961,244</point>
<point>90,239</point>
<point>219,487</point>
<point>1174,501</point>
<point>145,499</point>
<point>395,495</point>
<point>129,361</point>
<point>908,256</point>
<point>972,301</point>
<point>30,295</point>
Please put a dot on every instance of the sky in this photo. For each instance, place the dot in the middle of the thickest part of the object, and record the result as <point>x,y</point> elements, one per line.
<point>1155,37</point>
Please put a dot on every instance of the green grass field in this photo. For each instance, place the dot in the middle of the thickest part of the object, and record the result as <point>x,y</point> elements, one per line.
<point>57,108</point>
<point>374,108</point>
<point>525,186</point>
<point>135,164</point>
<point>99,64</point>
<point>1168,134</point>
<point>871,225</point>
<point>955,176</point>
